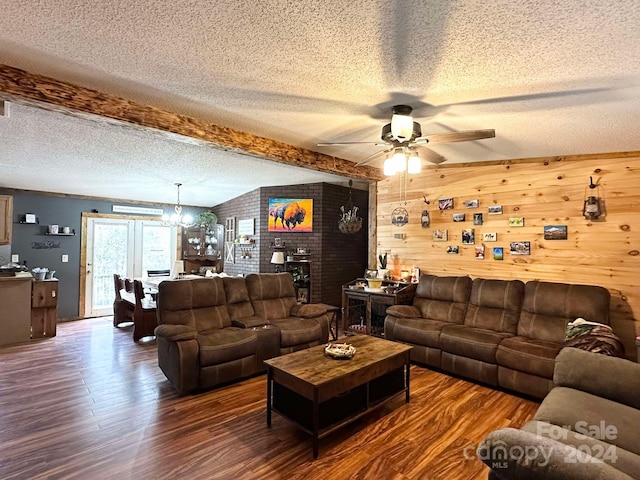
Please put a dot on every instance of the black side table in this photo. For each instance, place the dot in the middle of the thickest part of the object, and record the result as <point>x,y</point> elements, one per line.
<point>333,320</point>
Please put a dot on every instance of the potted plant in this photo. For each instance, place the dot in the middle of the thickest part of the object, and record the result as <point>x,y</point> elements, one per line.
<point>206,220</point>
<point>383,271</point>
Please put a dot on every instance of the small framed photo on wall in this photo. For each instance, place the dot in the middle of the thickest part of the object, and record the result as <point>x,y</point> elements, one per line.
<point>490,237</point>
<point>520,248</point>
<point>555,232</point>
<point>445,203</point>
<point>468,236</point>
<point>440,235</point>
<point>516,221</point>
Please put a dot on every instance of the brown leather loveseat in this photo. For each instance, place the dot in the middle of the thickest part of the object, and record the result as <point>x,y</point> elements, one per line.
<point>500,332</point>
<point>216,330</point>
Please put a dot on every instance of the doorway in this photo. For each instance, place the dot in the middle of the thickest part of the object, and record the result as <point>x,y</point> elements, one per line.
<point>128,246</point>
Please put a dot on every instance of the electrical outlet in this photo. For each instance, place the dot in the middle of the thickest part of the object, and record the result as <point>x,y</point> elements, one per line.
<point>15,258</point>
<point>65,258</point>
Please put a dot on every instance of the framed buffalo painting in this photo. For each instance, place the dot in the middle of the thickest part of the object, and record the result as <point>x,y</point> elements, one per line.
<point>290,215</point>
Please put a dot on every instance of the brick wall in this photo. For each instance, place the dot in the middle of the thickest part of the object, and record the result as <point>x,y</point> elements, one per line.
<point>244,207</point>
<point>335,258</point>
<point>344,256</point>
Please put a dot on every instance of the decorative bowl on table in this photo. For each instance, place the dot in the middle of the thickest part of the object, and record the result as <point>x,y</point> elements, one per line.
<point>374,283</point>
<point>340,350</point>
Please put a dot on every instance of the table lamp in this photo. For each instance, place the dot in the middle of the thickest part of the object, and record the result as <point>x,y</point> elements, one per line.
<point>178,269</point>
<point>277,259</point>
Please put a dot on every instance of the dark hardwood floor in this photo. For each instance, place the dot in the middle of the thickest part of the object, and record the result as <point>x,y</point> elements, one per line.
<point>92,404</point>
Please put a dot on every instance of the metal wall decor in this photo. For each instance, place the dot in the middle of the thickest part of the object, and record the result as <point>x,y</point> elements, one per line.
<point>400,217</point>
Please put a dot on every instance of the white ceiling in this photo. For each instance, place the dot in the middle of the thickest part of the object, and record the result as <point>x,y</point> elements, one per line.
<point>552,78</point>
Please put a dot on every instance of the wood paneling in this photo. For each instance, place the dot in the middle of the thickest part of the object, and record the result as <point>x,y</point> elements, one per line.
<point>90,403</point>
<point>47,93</point>
<point>547,191</point>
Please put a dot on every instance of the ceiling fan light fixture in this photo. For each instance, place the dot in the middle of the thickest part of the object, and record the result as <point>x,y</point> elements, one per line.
<point>402,123</point>
<point>399,160</point>
<point>389,167</point>
<point>401,127</point>
<point>413,164</point>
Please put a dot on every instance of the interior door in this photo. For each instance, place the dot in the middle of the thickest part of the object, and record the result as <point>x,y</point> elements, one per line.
<point>110,249</point>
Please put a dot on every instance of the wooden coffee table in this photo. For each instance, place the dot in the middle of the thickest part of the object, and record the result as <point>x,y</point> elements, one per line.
<point>321,394</point>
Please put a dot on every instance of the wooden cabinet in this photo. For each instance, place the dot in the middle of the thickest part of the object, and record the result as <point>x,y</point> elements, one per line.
<point>6,219</point>
<point>202,247</point>
<point>15,293</point>
<point>44,308</point>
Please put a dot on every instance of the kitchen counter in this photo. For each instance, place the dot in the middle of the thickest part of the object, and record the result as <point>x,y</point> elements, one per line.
<point>15,308</point>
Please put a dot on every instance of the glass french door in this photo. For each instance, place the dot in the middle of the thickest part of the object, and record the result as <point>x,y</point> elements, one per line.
<point>127,247</point>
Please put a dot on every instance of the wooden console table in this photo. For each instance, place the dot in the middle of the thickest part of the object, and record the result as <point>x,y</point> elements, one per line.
<point>364,308</point>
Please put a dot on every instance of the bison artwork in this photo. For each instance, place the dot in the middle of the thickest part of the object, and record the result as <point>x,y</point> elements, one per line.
<point>290,214</point>
<point>287,214</point>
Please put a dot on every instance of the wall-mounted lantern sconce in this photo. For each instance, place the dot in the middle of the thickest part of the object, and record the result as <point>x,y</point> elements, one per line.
<point>592,208</point>
<point>424,219</point>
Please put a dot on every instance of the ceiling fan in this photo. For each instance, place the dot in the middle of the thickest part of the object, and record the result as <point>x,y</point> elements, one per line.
<point>403,137</point>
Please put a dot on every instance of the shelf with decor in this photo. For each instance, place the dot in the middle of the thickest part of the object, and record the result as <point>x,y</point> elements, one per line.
<point>300,270</point>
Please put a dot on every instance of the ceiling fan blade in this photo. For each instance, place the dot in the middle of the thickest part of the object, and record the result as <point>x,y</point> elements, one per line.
<point>331,144</point>
<point>455,136</point>
<point>430,156</point>
<point>372,157</point>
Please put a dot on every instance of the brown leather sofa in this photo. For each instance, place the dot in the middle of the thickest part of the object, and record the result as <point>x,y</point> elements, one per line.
<point>499,332</point>
<point>216,330</point>
<point>586,427</point>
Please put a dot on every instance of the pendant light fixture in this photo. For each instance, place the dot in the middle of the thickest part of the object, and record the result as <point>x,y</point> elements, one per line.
<point>177,219</point>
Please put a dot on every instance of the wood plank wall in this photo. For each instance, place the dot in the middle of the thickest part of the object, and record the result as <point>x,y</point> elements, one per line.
<point>547,191</point>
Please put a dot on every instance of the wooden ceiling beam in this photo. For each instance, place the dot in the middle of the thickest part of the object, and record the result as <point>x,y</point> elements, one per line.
<point>39,91</point>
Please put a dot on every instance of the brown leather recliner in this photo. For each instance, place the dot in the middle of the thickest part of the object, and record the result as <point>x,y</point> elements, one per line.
<point>198,347</point>
<point>273,298</point>
<point>438,301</point>
<point>492,316</point>
<point>526,360</point>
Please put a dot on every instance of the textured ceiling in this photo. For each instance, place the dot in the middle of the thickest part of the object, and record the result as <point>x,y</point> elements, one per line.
<point>552,78</point>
